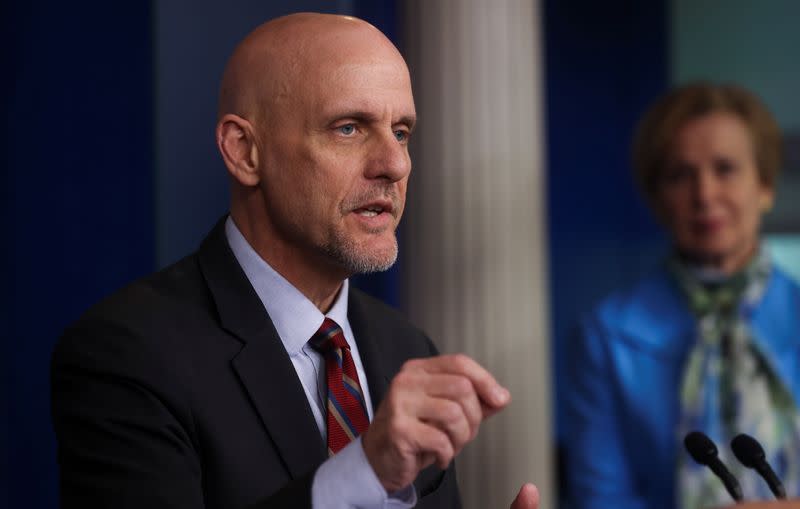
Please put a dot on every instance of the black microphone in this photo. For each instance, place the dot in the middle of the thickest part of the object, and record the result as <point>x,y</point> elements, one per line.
<point>750,454</point>
<point>703,451</point>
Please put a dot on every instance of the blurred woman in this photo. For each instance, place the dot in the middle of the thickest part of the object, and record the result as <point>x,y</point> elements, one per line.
<point>709,341</point>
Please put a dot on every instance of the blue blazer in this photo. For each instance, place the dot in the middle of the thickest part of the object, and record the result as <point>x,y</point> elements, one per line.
<point>624,375</point>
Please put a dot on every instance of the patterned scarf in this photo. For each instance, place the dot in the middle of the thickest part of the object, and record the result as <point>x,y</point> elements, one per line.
<point>730,386</point>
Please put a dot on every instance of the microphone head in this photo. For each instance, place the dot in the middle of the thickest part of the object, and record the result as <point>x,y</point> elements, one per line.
<point>701,448</point>
<point>747,450</point>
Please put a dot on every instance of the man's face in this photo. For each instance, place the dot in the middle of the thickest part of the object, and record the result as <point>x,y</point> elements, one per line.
<point>334,157</point>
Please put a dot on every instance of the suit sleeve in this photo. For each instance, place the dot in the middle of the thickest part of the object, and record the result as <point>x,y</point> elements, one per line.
<point>599,474</point>
<point>121,431</point>
<point>124,428</point>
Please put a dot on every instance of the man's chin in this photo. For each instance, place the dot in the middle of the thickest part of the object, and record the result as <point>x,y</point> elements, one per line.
<point>371,262</point>
<point>366,258</point>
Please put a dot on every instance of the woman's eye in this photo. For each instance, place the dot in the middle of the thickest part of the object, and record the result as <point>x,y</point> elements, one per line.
<point>347,129</point>
<point>724,167</point>
<point>676,173</point>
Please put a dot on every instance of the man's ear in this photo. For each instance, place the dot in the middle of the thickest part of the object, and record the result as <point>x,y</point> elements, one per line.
<point>237,144</point>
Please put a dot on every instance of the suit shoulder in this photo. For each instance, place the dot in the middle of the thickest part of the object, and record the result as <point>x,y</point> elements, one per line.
<point>637,298</point>
<point>650,313</point>
<point>157,294</point>
<point>777,315</point>
<point>141,314</point>
<point>783,283</point>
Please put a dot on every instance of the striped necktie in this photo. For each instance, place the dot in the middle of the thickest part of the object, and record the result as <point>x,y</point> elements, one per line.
<point>346,411</point>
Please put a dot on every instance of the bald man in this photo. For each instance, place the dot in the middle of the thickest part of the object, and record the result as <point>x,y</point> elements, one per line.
<point>250,374</point>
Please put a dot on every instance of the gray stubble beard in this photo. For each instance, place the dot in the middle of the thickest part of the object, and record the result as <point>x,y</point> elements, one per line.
<point>355,260</point>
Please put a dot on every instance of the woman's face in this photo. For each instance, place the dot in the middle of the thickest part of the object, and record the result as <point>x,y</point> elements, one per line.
<point>710,196</point>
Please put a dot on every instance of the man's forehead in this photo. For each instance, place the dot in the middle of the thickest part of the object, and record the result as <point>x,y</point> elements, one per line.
<point>369,109</point>
<point>374,67</point>
<point>341,59</point>
<point>366,84</point>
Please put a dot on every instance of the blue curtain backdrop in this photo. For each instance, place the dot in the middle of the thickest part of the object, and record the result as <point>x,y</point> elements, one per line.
<point>78,194</point>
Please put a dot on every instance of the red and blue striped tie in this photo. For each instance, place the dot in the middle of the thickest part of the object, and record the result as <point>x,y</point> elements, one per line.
<point>347,413</point>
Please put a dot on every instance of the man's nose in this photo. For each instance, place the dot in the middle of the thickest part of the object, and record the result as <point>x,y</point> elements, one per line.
<point>388,158</point>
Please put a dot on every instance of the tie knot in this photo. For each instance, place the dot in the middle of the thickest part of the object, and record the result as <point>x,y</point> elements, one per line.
<point>328,338</point>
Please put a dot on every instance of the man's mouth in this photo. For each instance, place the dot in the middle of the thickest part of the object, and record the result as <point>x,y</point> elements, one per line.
<point>374,208</point>
<point>371,211</point>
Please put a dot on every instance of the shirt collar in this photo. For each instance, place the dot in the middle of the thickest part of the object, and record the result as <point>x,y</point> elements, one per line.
<point>295,317</point>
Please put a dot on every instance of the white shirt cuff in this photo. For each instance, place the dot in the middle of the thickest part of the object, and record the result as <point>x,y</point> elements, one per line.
<point>346,481</point>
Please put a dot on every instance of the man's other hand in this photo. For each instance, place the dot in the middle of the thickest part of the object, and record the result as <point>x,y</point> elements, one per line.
<point>527,498</point>
<point>433,408</point>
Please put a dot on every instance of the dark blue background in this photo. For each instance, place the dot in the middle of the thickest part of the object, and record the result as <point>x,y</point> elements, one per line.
<point>605,62</point>
<point>79,173</point>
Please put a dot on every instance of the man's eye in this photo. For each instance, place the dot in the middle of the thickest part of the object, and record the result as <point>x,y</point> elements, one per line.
<point>401,135</point>
<point>347,129</point>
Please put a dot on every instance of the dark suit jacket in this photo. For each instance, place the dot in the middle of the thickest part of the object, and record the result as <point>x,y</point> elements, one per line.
<point>177,392</point>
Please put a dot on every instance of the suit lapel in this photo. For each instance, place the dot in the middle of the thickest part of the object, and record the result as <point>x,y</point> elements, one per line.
<point>370,348</point>
<point>263,366</point>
